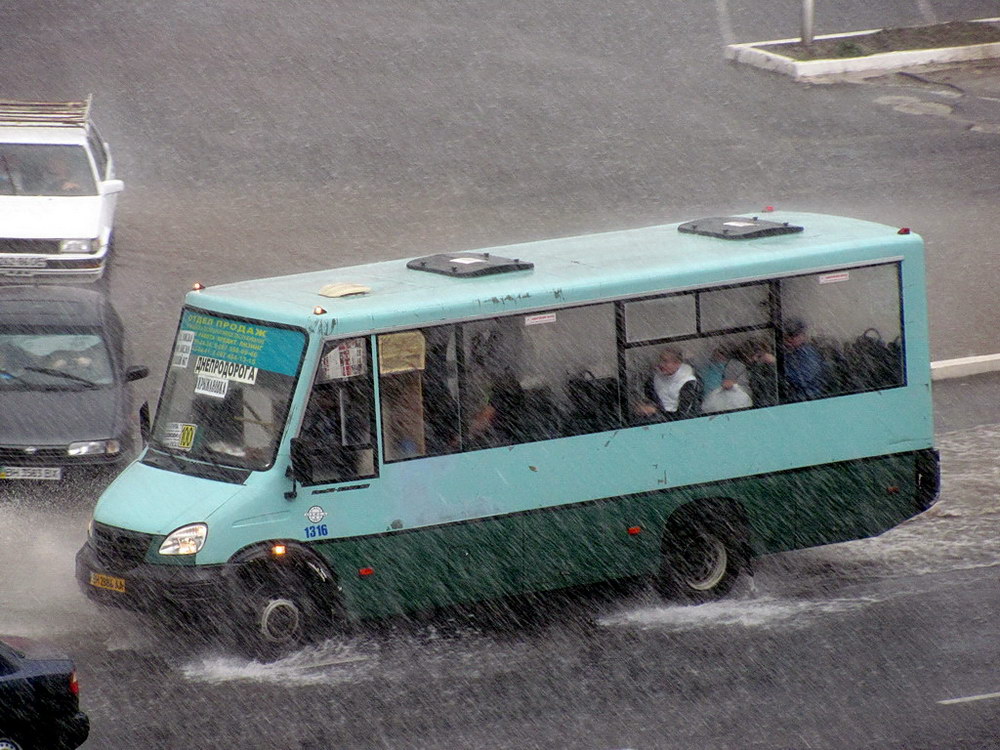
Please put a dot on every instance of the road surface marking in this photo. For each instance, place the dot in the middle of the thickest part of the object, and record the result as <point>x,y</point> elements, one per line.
<point>970,698</point>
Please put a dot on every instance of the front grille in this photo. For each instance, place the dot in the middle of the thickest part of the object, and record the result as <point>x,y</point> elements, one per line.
<point>20,457</point>
<point>119,549</point>
<point>37,247</point>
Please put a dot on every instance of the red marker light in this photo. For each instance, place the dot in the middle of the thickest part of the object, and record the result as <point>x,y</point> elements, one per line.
<point>768,209</point>
<point>197,286</point>
<point>904,230</point>
<point>363,572</point>
<point>633,530</point>
<point>74,684</point>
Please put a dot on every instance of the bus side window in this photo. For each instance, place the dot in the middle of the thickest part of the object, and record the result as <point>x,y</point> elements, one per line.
<point>539,376</point>
<point>852,318</point>
<point>491,389</point>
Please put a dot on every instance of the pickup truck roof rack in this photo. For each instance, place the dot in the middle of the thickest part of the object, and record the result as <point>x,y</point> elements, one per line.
<point>74,114</point>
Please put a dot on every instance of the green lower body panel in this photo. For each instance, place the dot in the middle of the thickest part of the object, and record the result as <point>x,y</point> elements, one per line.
<point>587,542</point>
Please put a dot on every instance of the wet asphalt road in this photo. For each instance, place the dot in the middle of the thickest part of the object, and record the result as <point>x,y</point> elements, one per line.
<point>271,137</point>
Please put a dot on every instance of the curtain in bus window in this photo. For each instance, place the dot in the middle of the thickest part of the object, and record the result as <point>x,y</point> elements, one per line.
<point>841,332</point>
<point>418,387</point>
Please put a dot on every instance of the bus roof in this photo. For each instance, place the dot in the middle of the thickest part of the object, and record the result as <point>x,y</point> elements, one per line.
<point>566,271</point>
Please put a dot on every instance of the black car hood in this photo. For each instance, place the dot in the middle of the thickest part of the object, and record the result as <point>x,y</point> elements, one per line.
<point>59,417</point>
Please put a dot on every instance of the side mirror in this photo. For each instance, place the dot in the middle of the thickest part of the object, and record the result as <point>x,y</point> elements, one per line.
<point>136,372</point>
<point>109,187</point>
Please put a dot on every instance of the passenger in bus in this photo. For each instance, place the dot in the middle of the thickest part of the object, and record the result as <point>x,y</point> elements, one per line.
<point>499,422</point>
<point>725,381</point>
<point>804,368</point>
<point>762,371</point>
<point>673,390</point>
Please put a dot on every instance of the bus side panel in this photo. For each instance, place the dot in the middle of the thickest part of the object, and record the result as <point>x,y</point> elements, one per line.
<point>589,542</point>
<point>790,510</point>
<point>419,569</point>
<point>833,503</point>
<point>613,538</point>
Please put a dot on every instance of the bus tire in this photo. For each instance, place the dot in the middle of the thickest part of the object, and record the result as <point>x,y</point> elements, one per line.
<point>278,614</point>
<point>702,555</point>
<point>7,742</point>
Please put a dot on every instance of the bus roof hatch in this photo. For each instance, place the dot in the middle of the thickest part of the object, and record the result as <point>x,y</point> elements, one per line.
<point>466,265</point>
<point>737,227</point>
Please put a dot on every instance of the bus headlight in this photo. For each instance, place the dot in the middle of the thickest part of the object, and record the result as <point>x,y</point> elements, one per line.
<point>187,540</point>
<point>94,447</point>
<point>77,246</point>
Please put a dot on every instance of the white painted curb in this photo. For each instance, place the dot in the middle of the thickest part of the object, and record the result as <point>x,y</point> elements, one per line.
<point>749,54</point>
<point>960,368</point>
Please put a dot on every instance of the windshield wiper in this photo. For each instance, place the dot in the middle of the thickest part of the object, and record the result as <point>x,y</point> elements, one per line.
<point>66,375</point>
<point>8,375</point>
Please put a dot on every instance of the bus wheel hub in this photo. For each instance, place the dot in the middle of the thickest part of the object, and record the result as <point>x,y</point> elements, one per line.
<point>279,620</point>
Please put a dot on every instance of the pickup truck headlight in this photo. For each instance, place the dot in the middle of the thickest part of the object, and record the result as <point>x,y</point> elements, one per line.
<point>187,540</point>
<point>94,448</point>
<point>77,246</point>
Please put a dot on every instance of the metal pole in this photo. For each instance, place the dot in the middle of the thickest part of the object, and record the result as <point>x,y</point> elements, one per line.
<point>807,21</point>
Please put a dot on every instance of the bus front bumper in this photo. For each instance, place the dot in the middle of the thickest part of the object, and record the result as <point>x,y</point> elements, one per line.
<point>179,589</point>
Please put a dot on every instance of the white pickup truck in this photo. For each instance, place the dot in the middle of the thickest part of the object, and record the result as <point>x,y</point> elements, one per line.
<point>57,193</point>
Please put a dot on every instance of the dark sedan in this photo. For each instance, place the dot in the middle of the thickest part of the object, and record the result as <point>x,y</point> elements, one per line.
<point>64,383</point>
<point>39,698</point>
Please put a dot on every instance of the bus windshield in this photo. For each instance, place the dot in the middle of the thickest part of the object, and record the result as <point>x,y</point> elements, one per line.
<point>227,392</point>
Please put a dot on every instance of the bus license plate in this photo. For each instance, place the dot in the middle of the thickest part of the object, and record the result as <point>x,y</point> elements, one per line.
<point>31,472</point>
<point>111,583</point>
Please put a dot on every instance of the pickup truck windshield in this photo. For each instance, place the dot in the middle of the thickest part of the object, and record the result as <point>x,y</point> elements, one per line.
<point>227,391</point>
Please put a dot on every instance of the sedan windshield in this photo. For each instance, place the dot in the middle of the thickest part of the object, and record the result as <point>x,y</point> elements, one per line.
<point>45,359</point>
<point>227,392</point>
<point>48,169</point>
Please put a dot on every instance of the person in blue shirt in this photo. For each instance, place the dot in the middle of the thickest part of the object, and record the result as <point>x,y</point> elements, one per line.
<point>804,367</point>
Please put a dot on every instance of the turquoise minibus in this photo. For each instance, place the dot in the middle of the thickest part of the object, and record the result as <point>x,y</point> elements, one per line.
<point>669,401</point>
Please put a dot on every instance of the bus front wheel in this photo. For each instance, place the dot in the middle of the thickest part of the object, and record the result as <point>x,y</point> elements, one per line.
<point>278,613</point>
<point>702,556</point>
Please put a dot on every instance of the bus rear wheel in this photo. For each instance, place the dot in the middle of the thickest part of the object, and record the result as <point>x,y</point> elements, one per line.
<point>701,559</point>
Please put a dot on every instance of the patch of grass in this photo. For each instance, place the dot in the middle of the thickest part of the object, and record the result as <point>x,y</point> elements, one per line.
<point>951,34</point>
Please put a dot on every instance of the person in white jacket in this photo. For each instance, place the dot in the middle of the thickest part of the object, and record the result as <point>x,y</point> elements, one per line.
<point>673,390</point>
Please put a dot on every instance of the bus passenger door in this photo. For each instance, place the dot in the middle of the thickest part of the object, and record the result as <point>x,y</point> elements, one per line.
<point>337,437</point>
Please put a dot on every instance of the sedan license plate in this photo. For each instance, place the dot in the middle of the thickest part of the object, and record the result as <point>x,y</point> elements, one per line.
<point>31,472</point>
<point>111,583</point>
<point>16,262</point>
<point>18,272</point>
